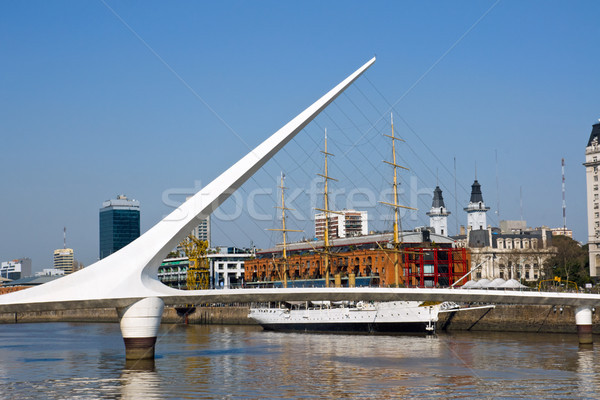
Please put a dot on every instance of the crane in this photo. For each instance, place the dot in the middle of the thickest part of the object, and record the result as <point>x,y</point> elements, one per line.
<point>198,271</point>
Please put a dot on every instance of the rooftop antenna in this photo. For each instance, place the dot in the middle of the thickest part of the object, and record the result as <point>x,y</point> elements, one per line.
<point>497,188</point>
<point>521,200</point>
<point>455,199</point>
<point>475,170</point>
<point>564,203</point>
<point>65,237</point>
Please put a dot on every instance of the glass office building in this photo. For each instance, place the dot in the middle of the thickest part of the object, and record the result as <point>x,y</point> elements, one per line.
<point>119,224</point>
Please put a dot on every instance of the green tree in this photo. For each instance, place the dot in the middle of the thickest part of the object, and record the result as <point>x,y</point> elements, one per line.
<point>173,254</point>
<point>570,261</point>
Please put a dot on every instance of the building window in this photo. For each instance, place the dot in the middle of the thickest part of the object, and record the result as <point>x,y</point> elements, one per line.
<point>596,215</point>
<point>595,178</point>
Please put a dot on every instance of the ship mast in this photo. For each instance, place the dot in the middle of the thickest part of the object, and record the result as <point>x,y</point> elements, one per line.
<point>284,230</point>
<point>326,211</point>
<point>397,232</point>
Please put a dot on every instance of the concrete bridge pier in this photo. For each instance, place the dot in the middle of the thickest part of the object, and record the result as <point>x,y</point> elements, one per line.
<point>583,319</point>
<point>139,326</point>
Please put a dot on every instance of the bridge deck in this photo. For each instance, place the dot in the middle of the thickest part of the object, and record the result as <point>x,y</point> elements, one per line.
<point>175,297</point>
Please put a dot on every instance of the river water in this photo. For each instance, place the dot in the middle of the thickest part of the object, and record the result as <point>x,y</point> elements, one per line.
<point>86,361</point>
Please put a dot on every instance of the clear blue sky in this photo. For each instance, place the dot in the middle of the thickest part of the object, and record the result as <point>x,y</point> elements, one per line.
<point>146,98</point>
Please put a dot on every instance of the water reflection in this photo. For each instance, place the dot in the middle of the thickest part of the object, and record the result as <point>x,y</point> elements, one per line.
<point>86,361</point>
<point>148,365</point>
<point>587,373</point>
<point>140,380</point>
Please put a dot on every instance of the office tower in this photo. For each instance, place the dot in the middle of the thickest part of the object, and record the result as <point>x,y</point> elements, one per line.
<point>63,260</point>
<point>119,224</point>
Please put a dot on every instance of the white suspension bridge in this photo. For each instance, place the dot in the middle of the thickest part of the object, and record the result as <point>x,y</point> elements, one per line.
<point>128,279</point>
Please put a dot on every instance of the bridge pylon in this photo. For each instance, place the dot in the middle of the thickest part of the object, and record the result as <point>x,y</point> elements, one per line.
<point>139,327</point>
<point>583,319</point>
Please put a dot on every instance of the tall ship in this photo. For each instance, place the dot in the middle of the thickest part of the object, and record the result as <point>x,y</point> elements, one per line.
<point>397,259</point>
<point>351,317</point>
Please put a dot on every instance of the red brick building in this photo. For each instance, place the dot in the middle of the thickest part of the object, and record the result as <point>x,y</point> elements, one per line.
<point>427,260</point>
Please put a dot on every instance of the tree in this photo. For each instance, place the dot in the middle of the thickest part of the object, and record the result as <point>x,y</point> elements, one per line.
<point>477,258</point>
<point>515,259</point>
<point>570,261</point>
<point>173,254</point>
<point>77,265</point>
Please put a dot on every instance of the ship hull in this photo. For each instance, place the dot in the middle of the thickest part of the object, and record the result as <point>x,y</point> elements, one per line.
<point>353,328</point>
<point>376,318</point>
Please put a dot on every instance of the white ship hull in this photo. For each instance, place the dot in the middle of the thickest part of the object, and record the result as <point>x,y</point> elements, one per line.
<point>381,317</point>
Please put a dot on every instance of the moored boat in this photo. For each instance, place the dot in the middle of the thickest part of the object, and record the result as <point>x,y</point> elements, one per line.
<point>388,317</point>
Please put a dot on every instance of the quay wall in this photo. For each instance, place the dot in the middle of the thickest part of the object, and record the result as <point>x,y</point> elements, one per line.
<point>503,318</point>
<point>515,318</point>
<point>229,315</point>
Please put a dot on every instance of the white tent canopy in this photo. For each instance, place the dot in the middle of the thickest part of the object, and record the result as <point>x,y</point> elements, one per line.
<point>496,283</point>
<point>469,284</point>
<point>512,284</point>
<point>482,283</point>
